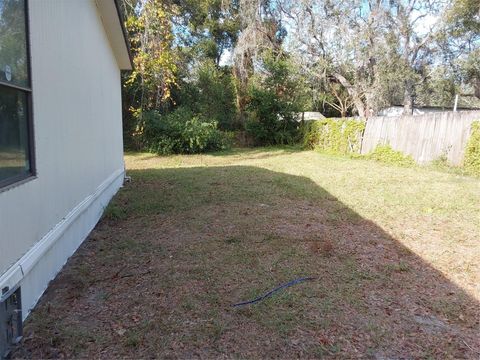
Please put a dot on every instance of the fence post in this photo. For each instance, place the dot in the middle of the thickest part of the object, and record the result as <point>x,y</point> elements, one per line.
<point>362,135</point>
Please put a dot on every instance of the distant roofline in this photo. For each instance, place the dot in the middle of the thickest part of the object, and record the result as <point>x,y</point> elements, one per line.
<point>436,107</point>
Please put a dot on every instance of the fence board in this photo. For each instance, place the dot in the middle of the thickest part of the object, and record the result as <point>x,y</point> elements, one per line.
<point>425,137</point>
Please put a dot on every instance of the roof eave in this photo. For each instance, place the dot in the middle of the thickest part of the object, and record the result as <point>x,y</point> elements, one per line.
<point>125,33</point>
<point>113,24</point>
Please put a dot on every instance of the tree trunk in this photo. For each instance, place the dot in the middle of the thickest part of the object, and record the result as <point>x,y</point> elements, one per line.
<point>242,73</point>
<point>356,97</point>
<point>476,86</point>
<point>408,99</point>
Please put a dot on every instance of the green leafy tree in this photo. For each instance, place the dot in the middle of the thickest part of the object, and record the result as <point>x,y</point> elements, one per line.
<point>460,42</point>
<point>151,36</point>
<point>177,46</point>
<point>206,28</point>
<point>210,93</point>
<point>275,99</point>
<point>149,85</point>
<point>439,89</point>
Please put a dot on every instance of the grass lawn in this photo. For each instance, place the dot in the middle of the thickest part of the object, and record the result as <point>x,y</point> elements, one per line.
<point>394,252</point>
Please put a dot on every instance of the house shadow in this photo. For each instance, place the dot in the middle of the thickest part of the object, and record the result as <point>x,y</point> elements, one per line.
<point>179,246</point>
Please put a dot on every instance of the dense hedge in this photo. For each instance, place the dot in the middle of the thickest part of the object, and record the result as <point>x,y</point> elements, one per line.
<point>335,136</point>
<point>181,132</point>
<point>344,137</point>
<point>472,151</point>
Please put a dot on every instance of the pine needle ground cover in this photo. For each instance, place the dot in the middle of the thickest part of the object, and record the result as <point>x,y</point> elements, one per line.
<point>394,252</point>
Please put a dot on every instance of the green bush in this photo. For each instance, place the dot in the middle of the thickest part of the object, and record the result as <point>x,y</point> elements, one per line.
<point>271,121</point>
<point>385,154</point>
<point>274,100</point>
<point>471,161</point>
<point>181,132</point>
<point>335,136</point>
<point>217,95</point>
<point>210,93</point>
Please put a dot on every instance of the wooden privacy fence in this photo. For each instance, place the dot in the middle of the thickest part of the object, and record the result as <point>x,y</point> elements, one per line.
<point>425,137</point>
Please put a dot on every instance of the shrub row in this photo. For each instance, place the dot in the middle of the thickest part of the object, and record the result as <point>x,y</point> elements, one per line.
<point>334,136</point>
<point>344,137</point>
<point>181,132</point>
<point>471,161</point>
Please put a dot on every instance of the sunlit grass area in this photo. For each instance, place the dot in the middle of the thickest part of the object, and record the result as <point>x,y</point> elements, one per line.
<point>394,253</point>
<point>428,211</point>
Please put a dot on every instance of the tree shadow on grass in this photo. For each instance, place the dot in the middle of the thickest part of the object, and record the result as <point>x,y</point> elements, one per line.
<point>177,247</point>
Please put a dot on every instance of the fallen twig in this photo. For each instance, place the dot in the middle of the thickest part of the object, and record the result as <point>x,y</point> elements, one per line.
<point>475,351</point>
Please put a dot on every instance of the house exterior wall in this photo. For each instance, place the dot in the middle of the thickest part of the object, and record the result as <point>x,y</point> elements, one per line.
<point>78,145</point>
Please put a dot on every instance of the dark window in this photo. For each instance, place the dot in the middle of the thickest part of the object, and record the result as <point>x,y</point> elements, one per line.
<point>16,157</point>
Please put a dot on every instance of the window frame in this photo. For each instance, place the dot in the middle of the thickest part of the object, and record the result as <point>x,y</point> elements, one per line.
<point>32,173</point>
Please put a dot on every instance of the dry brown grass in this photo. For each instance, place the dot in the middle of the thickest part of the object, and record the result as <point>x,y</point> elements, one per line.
<point>393,251</point>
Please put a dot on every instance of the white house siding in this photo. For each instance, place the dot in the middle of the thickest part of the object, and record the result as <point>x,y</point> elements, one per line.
<point>78,145</point>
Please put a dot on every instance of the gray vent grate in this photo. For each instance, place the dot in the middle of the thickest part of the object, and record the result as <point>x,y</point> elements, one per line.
<point>10,320</point>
